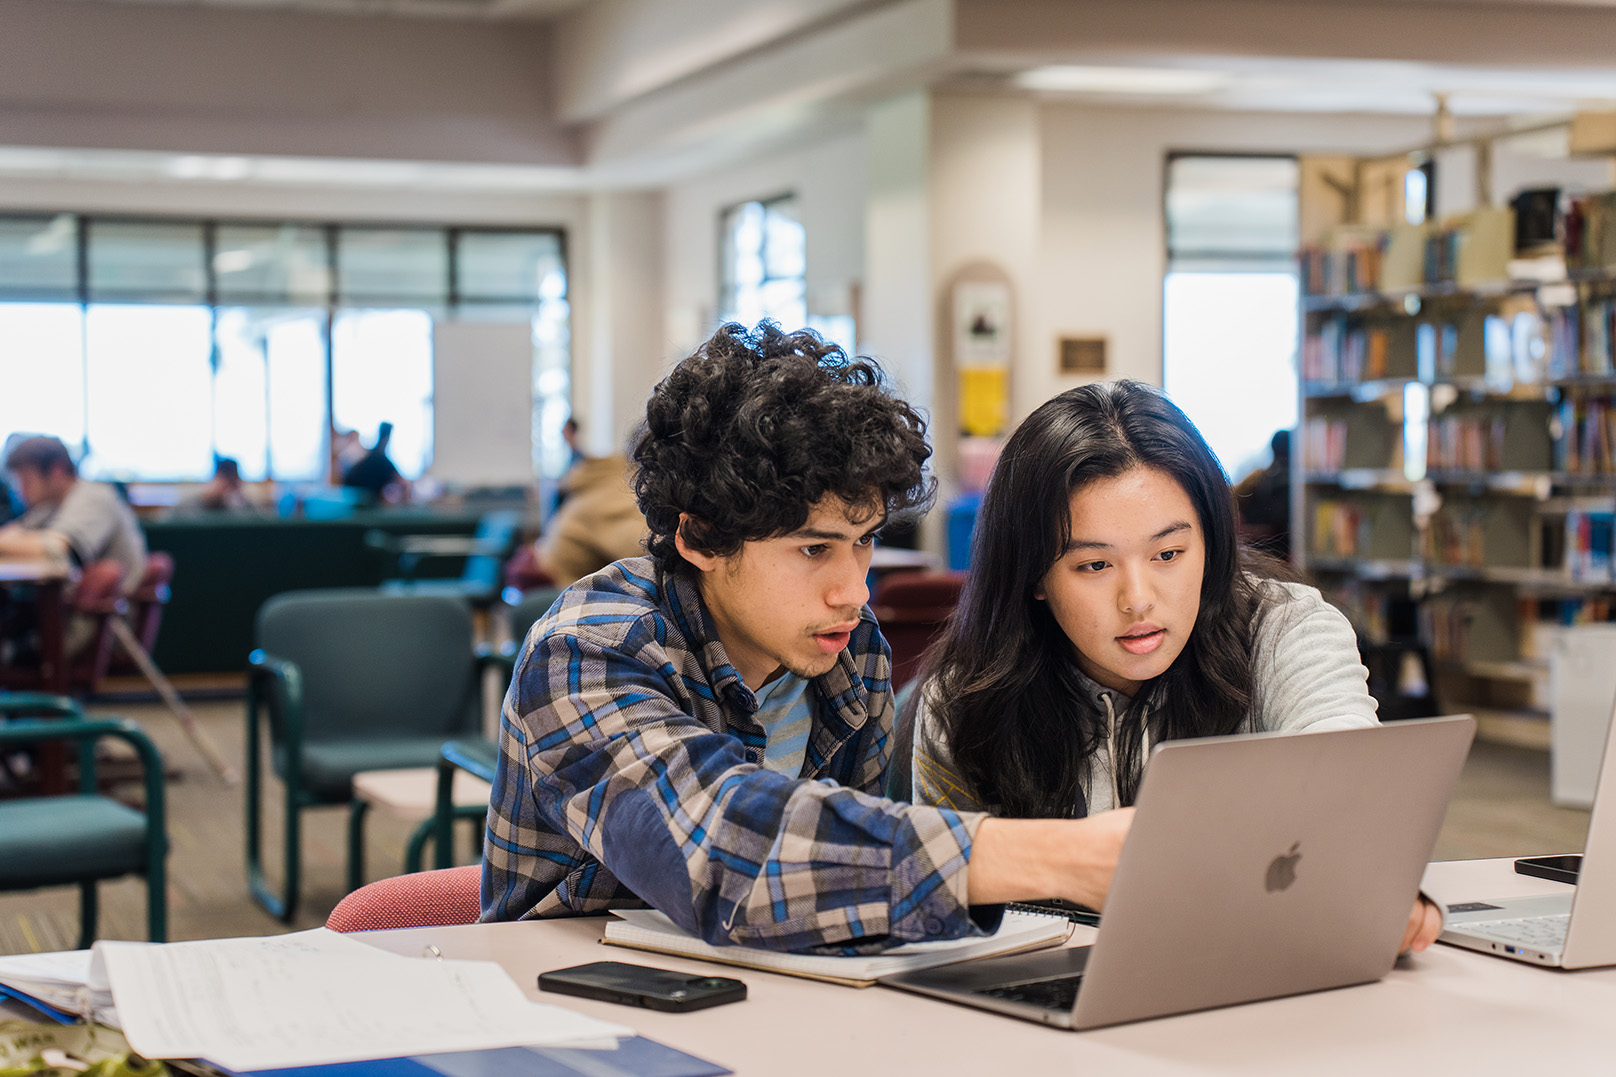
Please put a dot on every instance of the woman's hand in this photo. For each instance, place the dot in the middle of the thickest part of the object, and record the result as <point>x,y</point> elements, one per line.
<point>1424,925</point>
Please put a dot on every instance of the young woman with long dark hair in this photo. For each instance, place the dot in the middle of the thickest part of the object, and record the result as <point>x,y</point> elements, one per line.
<point>1109,607</point>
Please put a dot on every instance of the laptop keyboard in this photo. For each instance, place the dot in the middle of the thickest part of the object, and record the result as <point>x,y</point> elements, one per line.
<point>1539,932</point>
<point>1056,994</point>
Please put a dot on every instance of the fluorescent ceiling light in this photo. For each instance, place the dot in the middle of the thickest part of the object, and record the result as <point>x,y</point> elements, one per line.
<point>1066,78</point>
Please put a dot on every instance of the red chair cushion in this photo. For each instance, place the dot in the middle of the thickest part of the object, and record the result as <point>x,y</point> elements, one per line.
<point>99,587</point>
<point>423,899</point>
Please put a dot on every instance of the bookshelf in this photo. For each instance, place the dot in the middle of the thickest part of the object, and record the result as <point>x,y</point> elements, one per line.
<point>1457,473</point>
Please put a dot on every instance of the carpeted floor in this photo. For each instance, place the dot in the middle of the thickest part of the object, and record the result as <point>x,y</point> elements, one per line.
<point>1501,809</point>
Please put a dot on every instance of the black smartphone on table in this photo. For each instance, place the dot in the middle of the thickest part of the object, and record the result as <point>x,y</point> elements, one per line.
<point>1563,869</point>
<point>644,986</point>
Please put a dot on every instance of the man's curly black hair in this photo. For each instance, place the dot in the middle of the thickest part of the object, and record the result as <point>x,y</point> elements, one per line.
<point>753,429</point>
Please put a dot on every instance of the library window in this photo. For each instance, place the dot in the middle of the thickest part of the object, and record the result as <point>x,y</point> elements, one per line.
<point>151,347</point>
<point>763,268</point>
<point>1229,301</point>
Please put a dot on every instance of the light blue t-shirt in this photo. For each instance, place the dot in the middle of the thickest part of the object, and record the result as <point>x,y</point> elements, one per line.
<point>786,716</point>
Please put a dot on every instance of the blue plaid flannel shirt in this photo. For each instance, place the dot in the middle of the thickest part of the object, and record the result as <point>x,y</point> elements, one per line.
<point>630,773</point>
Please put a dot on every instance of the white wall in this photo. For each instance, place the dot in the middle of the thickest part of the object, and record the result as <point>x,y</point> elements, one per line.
<point>896,322</point>
<point>1103,242</point>
<point>828,177</point>
<point>985,218</point>
<point>617,329</point>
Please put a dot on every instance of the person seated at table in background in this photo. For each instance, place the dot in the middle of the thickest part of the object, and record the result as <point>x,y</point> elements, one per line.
<point>374,473</point>
<point>1263,501</point>
<point>1108,607</point>
<point>598,522</point>
<point>225,492</point>
<point>707,729</point>
<point>70,522</point>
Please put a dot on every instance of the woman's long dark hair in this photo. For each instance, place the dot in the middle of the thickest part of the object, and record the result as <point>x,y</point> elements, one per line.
<point>1005,686</point>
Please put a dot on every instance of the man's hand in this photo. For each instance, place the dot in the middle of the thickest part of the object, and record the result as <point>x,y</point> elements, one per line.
<point>1029,859</point>
<point>1424,925</point>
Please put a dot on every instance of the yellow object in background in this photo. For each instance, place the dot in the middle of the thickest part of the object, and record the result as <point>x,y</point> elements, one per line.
<point>984,401</point>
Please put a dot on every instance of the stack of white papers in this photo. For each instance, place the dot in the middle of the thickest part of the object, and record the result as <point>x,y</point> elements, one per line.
<point>59,980</point>
<point>317,996</point>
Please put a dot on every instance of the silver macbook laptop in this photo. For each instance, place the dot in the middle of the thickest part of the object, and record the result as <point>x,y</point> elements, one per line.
<point>1571,930</point>
<point>1257,866</point>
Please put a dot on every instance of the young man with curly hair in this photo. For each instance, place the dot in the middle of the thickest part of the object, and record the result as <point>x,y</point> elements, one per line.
<point>706,729</point>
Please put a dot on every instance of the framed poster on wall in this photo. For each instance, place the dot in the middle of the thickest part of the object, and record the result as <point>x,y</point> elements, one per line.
<point>981,323</point>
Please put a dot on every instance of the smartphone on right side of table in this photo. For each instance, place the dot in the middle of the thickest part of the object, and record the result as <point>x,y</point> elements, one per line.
<point>1562,869</point>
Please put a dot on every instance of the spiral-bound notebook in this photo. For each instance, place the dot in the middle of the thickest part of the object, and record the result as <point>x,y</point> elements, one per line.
<point>647,929</point>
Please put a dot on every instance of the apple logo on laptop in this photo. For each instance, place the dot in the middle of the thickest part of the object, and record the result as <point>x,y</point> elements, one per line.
<point>1282,872</point>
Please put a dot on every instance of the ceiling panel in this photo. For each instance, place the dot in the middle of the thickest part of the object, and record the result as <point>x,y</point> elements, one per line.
<point>466,9</point>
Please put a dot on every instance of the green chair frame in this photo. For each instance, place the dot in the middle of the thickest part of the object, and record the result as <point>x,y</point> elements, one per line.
<point>277,686</point>
<point>474,756</point>
<point>34,717</point>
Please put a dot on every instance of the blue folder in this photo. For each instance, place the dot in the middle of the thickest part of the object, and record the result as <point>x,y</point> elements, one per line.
<point>633,1057</point>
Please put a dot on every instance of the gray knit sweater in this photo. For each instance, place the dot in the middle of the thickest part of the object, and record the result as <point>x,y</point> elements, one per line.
<point>1306,676</point>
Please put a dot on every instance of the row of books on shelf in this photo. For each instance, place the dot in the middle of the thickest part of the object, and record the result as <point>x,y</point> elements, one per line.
<point>1565,612</point>
<point>1589,539</point>
<point>1468,248</point>
<point>1369,609</point>
<point>1457,536</point>
<point>1446,622</point>
<point>1346,528</point>
<point>1578,437</point>
<point>1586,443</point>
<point>1326,439</point>
<point>1352,267</point>
<point>1503,347</point>
<point>1451,623</point>
<point>1589,231</point>
<point>1581,339</point>
<point>1340,529</point>
<point>1340,352</point>
<point>1474,441</point>
<point>1579,545</point>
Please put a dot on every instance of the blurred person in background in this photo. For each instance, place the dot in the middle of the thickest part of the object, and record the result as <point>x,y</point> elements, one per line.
<point>1263,502</point>
<point>70,522</point>
<point>225,492</point>
<point>375,474</point>
<point>346,451</point>
<point>598,522</point>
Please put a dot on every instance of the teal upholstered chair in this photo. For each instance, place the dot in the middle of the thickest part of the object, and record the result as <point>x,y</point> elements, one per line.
<point>485,552</point>
<point>534,604</point>
<point>82,837</point>
<point>349,681</point>
<point>474,755</point>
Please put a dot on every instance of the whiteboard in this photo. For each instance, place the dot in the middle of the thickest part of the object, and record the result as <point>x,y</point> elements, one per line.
<point>482,403</point>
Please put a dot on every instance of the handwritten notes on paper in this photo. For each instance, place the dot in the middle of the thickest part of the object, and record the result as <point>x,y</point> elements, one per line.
<point>316,996</point>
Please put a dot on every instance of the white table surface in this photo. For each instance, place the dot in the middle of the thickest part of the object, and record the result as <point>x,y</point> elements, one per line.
<point>412,792</point>
<point>1446,1011</point>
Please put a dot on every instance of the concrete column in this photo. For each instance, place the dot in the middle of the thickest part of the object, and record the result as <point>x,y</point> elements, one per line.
<point>618,341</point>
<point>896,322</point>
